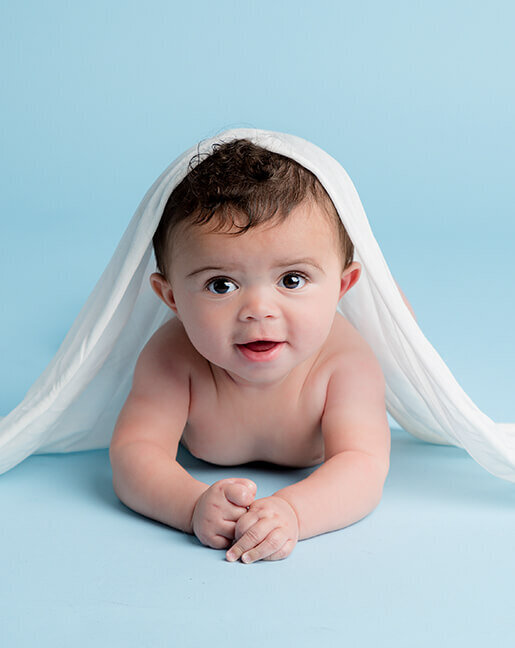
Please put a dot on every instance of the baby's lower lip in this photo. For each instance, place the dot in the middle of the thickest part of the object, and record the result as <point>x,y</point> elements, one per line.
<point>260,356</point>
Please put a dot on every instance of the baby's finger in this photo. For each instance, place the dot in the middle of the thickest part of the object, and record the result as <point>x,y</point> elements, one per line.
<point>240,493</point>
<point>271,545</point>
<point>232,513</point>
<point>244,523</point>
<point>256,534</point>
<point>226,528</point>
<point>283,552</point>
<point>219,542</point>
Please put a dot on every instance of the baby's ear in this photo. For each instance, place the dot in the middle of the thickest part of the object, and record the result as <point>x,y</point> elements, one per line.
<point>163,290</point>
<point>350,276</point>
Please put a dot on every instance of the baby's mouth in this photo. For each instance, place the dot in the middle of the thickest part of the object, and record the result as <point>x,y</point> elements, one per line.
<point>260,345</point>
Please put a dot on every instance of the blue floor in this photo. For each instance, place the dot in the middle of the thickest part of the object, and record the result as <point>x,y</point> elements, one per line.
<point>433,565</point>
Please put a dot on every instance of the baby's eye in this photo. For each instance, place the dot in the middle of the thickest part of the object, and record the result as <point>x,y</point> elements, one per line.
<point>219,283</point>
<point>295,283</point>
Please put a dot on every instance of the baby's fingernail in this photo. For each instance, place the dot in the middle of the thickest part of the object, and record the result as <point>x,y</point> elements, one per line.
<point>230,555</point>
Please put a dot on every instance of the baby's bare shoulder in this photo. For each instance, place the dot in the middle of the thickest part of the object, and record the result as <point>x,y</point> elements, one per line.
<point>170,336</point>
<point>348,345</point>
<point>157,407</point>
<point>164,357</point>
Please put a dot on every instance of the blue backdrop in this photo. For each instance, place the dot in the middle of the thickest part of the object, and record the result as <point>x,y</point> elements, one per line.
<point>416,100</point>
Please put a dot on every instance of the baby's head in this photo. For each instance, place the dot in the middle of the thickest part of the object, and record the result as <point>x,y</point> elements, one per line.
<point>249,218</point>
<point>240,178</point>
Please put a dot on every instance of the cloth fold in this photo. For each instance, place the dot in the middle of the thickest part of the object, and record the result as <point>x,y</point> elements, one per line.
<point>75,402</point>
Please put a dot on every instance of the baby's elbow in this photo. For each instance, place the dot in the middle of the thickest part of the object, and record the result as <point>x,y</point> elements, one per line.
<point>376,477</point>
<point>382,468</point>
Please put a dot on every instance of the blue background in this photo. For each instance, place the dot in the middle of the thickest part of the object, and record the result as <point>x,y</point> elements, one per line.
<point>416,100</point>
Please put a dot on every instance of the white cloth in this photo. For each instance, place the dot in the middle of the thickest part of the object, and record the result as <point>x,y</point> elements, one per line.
<point>75,402</point>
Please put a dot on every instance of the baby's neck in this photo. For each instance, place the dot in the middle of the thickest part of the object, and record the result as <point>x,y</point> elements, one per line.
<point>295,377</point>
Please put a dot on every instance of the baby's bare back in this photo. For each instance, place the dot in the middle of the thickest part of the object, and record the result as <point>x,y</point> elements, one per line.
<point>228,425</point>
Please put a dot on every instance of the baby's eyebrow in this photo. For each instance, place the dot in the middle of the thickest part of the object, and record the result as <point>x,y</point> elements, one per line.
<point>278,264</point>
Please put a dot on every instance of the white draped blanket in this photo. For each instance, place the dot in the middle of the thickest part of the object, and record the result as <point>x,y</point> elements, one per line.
<point>75,402</point>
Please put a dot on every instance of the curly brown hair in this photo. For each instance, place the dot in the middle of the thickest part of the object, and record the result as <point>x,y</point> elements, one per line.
<point>240,177</point>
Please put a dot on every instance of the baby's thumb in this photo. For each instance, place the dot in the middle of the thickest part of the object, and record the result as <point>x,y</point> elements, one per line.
<point>241,492</point>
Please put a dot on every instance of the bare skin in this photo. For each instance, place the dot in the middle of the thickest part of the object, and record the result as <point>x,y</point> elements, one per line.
<point>229,426</point>
<point>320,400</point>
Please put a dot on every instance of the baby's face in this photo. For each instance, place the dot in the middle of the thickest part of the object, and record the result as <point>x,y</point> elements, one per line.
<point>280,282</point>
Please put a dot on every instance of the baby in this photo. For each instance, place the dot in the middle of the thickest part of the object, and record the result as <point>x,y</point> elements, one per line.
<point>258,364</point>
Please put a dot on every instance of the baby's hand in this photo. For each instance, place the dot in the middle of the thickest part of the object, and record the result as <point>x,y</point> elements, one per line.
<point>219,508</point>
<point>268,531</point>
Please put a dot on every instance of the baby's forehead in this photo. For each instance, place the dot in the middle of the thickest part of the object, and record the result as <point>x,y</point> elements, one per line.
<point>294,240</point>
<point>304,220</point>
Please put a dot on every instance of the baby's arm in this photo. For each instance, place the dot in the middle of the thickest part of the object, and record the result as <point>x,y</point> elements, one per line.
<point>347,486</point>
<point>146,476</point>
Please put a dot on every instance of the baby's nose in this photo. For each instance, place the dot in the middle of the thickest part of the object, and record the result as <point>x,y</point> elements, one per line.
<point>258,304</point>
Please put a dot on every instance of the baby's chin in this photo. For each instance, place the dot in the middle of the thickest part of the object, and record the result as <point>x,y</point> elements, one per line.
<point>245,380</point>
<point>263,375</point>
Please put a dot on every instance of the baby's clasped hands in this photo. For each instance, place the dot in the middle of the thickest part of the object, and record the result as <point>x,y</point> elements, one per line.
<point>269,530</point>
<point>219,508</point>
<point>263,529</point>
